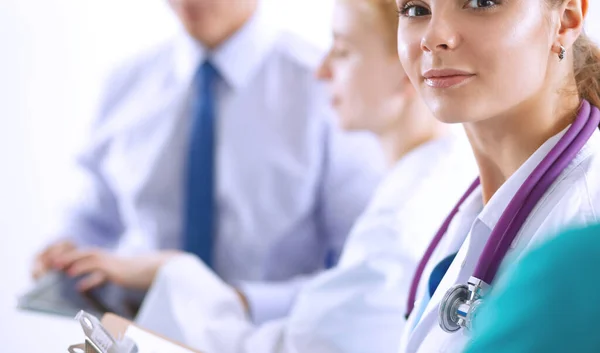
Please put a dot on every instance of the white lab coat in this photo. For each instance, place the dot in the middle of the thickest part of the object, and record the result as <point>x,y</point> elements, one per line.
<point>574,199</point>
<point>357,307</point>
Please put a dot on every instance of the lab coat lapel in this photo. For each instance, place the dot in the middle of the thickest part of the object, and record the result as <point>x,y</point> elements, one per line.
<point>430,315</point>
<point>459,272</point>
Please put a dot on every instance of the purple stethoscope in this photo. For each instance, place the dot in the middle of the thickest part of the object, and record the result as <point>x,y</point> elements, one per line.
<point>460,302</point>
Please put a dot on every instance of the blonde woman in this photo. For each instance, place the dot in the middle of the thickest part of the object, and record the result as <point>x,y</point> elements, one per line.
<point>358,306</point>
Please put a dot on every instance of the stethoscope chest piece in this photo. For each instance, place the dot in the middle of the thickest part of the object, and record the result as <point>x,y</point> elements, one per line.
<point>459,305</point>
<point>448,310</point>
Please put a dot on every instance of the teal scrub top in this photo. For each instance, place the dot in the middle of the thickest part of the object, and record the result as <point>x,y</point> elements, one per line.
<point>549,301</point>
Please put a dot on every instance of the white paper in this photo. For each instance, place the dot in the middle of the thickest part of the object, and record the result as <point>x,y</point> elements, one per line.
<point>149,343</point>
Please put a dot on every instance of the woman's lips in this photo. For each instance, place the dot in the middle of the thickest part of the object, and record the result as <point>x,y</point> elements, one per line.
<point>446,78</point>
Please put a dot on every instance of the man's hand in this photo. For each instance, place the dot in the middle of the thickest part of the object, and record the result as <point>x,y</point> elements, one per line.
<point>46,260</point>
<point>99,266</point>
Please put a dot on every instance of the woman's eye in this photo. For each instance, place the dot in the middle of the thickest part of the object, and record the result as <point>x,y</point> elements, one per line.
<point>412,10</point>
<point>481,4</point>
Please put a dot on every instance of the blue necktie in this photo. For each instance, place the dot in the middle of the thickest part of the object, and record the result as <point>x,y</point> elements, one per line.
<point>200,205</point>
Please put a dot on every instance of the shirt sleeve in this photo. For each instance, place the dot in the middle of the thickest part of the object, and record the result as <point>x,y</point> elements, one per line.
<point>90,214</point>
<point>91,217</point>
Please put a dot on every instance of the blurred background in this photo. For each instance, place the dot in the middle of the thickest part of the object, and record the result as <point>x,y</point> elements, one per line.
<point>55,54</point>
<point>54,57</point>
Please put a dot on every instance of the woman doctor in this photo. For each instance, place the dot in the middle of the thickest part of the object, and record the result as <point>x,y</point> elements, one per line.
<point>525,82</point>
<point>359,305</point>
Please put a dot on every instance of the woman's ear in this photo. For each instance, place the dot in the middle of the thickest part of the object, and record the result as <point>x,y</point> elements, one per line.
<point>572,15</point>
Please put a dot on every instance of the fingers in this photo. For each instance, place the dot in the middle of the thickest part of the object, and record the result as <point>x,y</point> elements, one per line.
<point>95,264</point>
<point>100,267</point>
<point>91,281</point>
<point>45,260</point>
<point>68,259</point>
<point>86,264</point>
<point>58,249</point>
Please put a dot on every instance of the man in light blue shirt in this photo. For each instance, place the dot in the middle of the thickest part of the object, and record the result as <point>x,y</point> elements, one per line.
<point>285,184</point>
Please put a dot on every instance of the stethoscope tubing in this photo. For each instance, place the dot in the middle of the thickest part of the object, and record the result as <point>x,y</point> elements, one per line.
<point>534,188</point>
<point>521,205</point>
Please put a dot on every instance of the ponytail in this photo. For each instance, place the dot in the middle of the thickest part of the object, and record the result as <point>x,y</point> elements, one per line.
<point>586,56</point>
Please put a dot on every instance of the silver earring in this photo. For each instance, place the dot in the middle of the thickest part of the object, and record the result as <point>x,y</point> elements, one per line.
<point>562,53</point>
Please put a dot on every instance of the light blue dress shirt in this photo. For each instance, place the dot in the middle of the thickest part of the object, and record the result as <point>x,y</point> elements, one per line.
<point>290,184</point>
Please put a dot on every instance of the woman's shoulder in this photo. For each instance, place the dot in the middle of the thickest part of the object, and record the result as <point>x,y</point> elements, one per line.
<point>578,186</point>
<point>573,201</point>
<point>586,177</point>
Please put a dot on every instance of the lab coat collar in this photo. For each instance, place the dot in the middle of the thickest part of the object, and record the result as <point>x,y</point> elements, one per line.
<point>237,59</point>
<point>492,212</point>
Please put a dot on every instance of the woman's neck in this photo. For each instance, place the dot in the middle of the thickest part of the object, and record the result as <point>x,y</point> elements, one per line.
<point>418,127</point>
<point>502,144</point>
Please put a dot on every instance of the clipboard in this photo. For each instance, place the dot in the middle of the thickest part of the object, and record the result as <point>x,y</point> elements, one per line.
<point>119,327</point>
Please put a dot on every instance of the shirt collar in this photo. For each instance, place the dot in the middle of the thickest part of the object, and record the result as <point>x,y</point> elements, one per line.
<point>237,59</point>
<point>493,210</point>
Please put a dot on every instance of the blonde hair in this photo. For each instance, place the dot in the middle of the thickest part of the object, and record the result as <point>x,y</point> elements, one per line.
<point>586,65</point>
<point>386,15</point>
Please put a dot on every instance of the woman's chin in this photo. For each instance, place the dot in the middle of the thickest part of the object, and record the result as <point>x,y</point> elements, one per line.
<point>450,115</point>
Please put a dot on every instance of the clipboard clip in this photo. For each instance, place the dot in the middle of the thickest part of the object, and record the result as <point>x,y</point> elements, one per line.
<point>98,339</point>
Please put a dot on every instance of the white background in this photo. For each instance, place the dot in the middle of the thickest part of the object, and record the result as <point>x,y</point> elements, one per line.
<point>53,56</point>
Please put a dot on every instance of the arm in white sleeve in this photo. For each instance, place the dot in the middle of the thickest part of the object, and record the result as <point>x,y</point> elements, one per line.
<point>355,308</point>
